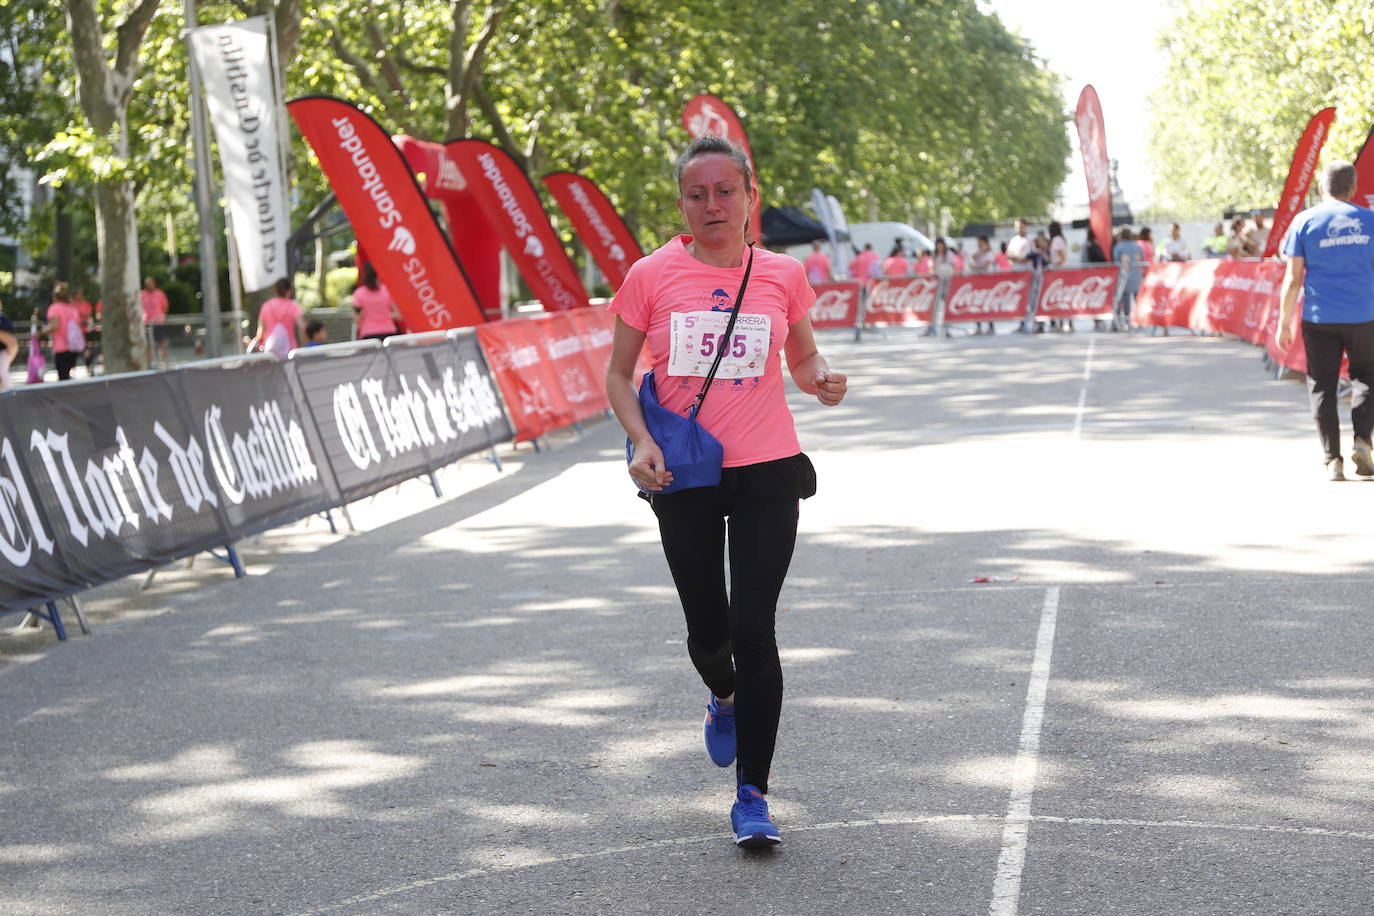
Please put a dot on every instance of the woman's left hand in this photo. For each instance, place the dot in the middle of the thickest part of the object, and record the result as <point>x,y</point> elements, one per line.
<point>831,387</point>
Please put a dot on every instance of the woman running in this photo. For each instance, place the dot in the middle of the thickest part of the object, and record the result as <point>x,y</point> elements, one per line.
<point>679,298</point>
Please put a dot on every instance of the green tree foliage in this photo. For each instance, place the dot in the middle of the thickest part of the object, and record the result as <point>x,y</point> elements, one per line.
<point>900,108</point>
<point>1243,79</point>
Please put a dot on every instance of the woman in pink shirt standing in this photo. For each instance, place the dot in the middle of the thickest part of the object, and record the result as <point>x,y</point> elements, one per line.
<point>678,299</point>
<point>64,327</point>
<point>377,315</point>
<point>896,264</point>
<point>281,322</point>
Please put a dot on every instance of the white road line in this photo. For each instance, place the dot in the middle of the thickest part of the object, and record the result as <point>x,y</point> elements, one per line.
<point>1083,392</point>
<point>1006,890</point>
<point>975,820</point>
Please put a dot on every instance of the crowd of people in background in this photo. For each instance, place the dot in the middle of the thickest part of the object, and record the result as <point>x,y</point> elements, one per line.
<point>66,333</point>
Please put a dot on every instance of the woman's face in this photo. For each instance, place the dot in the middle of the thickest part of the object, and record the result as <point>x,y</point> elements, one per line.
<point>715,201</point>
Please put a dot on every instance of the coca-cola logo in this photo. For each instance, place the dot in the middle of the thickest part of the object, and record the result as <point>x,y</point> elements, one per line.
<point>914,297</point>
<point>1006,297</point>
<point>834,305</point>
<point>1089,295</point>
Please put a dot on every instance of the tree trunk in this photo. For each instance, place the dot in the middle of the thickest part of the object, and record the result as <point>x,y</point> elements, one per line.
<point>122,336</point>
<point>104,93</point>
<point>62,233</point>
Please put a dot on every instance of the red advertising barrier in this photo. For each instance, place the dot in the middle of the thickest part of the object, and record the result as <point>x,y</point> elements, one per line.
<point>510,204</point>
<point>988,297</point>
<point>906,301</point>
<point>1299,177</point>
<point>581,379</point>
<point>1092,140</point>
<point>1088,292</point>
<point>612,245</point>
<point>529,385</point>
<point>1228,297</point>
<point>388,213</point>
<point>836,305</point>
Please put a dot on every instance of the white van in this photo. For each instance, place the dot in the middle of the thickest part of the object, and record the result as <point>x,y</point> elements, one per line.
<point>882,236</point>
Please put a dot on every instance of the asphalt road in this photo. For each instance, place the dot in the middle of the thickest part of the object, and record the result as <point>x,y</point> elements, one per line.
<point>483,704</point>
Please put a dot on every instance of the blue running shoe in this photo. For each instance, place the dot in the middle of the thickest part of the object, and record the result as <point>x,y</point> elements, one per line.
<point>720,733</point>
<point>754,827</point>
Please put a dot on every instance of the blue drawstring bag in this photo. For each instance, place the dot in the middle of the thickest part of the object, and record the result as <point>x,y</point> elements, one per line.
<point>689,451</point>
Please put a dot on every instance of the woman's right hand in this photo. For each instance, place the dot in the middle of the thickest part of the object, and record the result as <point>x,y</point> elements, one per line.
<point>647,468</point>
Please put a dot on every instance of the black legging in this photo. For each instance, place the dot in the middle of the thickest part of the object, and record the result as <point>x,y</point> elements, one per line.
<point>1326,344</point>
<point>740,623</point>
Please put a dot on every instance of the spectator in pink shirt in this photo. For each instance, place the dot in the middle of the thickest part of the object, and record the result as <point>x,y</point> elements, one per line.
<point>64,327</point>
<point>377,315</point>
<point>154,303</point>
<point>281,322</point>
<point>865,265</point>
<point>896,264</point>
<point>817,265</point>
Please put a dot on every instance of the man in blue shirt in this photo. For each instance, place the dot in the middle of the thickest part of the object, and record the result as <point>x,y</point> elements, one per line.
<point>1330,250</point>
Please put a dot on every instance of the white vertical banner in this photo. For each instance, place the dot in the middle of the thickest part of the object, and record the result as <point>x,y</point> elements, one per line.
<point>236,71</point>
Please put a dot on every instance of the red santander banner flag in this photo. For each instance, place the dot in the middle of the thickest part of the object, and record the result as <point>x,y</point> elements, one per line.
<point>836,305</point>
<point>1092,140</point>
<point>1087,292</point>
<point>988,297</point>
<point>708,116</point>
<point>1299,177</point>
<point>390,218</point>
<point>612,245</point>
<point>510,204</point>
<point>1364,170</point>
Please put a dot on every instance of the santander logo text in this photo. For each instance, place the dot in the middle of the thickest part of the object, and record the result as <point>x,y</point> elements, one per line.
<point>1007,297</point>
<point>390,217</point>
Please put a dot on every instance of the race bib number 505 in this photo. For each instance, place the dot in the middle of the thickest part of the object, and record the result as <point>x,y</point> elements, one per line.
<point>698,336</point>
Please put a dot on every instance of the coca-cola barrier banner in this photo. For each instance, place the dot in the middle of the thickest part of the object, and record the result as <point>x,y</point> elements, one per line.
<point>612,245</point>
<point>104,478</point>
<point>1092,141</point>
<point>988,297</point>
<point>389,216</point>
<point>1087,292</point>
<point>836,305</point>
<point>512,208</point>
<point>1299,177</point>
<point>707,116</point>
<point>905,301</point>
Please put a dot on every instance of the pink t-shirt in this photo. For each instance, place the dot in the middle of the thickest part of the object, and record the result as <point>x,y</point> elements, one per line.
<point>746,408</point>
<point>62,313</point>
<point>896,266</point>
<point>817,267</point>
<point>154,305</point>
<point>374,311</point>
<point>864,264</point>
<point>281,311</point>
